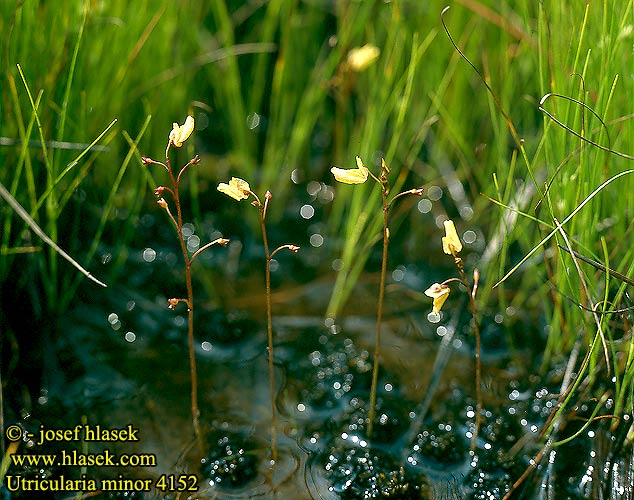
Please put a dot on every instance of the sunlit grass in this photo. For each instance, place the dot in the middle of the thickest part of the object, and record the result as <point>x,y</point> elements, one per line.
<point>273,95</point>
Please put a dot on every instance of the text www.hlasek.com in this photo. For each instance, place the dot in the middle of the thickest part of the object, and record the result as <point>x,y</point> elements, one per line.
<point>76,459</point>
<point>71,458</point>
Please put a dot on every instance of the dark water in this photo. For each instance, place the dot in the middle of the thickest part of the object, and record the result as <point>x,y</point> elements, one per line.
<point>121,360</point>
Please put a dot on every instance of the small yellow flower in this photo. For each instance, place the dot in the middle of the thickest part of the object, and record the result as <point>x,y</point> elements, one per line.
<point>237,188</point>
<point>352,175</point>
<point>360,58</point>
<point>451,242</point>
<point>180,134</point>
<point>439,293</point>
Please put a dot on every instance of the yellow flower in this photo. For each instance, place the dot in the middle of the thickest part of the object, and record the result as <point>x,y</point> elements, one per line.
<point>451,242</point>
<point>352,175</point>
<point>361,58</point>
<point>439,293</point>
<point>237,188</point>
<point>180,134</point>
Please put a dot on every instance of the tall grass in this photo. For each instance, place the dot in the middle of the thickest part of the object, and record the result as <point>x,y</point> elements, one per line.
<point>273,96</point>
<point>67,75</point>
<point>580,170</point>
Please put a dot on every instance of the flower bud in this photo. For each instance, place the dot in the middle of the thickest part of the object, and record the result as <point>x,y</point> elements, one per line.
<point>451,244</point>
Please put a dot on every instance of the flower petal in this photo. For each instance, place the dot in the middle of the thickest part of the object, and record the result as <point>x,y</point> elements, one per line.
<point>438,302</point>
<point>437,290</point>
<point>439,293</point>
<point>361,58</point>
<point>353,175</point>
<point>180,134</point>
<point>238,189</point>
<point>451,242</point>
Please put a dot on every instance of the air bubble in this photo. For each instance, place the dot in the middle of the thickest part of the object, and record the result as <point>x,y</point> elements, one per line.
<point>434,193</point>
<point>398,274</point>
<point>193,243</point>
<point>337,265</point>
<point>316,240</point>
<point>433,317</point>
<point>253,121</point>
<point>424,206</point>
<point>313,187</point>
<point>469,236</point>
<point>295,176</point>
<point>326,194</point>
<point>149,255</point>
<point>188,230</point>
<point>307,211</point>
<point>466,212</point>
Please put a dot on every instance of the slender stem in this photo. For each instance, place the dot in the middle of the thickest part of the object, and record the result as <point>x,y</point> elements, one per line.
<point>478,368</point>
<point>269,327</point>
<point>190,303</point>
<point>192,354</point>
<point>379,315</point>
<point>219,241</point>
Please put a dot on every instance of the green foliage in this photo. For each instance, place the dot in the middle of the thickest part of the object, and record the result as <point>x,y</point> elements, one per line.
<point>272,94</point>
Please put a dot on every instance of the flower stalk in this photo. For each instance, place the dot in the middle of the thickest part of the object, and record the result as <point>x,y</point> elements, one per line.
<point>440,291</point>
<point>178,135</point>
<point>239,189</point>
<point>358,176</point>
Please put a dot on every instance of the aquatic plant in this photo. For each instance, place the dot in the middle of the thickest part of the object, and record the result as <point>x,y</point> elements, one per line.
<point>569,166</point>
<point>178,135</point>
<point>358,176</point>
<point>239,189</point>
<point>452,245</point>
